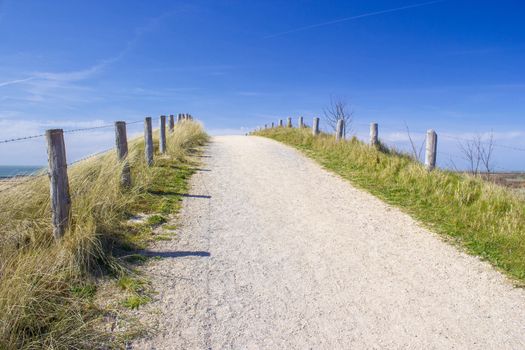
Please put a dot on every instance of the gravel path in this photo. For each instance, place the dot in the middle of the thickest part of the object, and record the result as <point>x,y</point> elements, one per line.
<point>277,253</point>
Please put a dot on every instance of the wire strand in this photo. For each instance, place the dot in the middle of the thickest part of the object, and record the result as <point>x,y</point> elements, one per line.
<point>65,132</point>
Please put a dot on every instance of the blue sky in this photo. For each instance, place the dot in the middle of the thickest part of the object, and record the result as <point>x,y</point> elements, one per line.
<point>455,66</point>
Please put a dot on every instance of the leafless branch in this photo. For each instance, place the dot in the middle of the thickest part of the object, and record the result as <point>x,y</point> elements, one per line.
<point>478,154</point>
<point>339,109</point>
<point>415,152</point>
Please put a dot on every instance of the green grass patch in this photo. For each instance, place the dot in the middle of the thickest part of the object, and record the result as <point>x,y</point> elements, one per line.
<point>156,220</point>
<point>486,219</point>
<point>84,290</point>
<point>135,301</point>
<point>163,237</point>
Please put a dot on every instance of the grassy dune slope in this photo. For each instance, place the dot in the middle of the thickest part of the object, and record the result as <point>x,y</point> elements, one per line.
<point>47,288</point>
<point>488,220</point>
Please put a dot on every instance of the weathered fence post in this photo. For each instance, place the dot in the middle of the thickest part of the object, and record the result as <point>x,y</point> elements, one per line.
<point>289,123</point>
<point>272,125</point>
<point>280,122</point>
<point>59,183</point>
<point>374,141</point>
<point>300,123</point>
<point>179,118</point>
<point>339,130</point>
<point>121,140</point>
<point>162,134</point>
<point>172,122</point>
<point>431,149</point>
<point>148,141</point>
<point>315,126</point>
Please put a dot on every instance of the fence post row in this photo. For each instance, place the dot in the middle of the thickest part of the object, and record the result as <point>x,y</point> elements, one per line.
<point>339,130</point>
<point>121,140</point>
<point>315,126</point>
<point>148,141</point>
<point>172,122</point>
<point>374,140</point>
<point>162,134</point>
<point>59,183</point>
<point>431,148</point>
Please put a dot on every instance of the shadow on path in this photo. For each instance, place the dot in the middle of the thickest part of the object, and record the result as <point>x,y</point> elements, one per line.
<point>180,194</point>
<point>178,254</point>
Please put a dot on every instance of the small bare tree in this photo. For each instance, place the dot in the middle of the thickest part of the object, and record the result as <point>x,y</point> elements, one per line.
<point>416,153</point>
<point>337,110</point>
<point>478,153</point>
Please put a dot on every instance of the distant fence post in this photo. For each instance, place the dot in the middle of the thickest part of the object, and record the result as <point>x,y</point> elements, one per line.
<point>172,122</point>
<point>289,123</point>
<point>121,140</point>
<point>374,140</point>
<point>315,127</point>
<point>431,149</point>
<point>162,134</point>
<point>179,118</point>
<point>280,122</point>
<point>59,183</point>
<point>339,130</point>
<point>300,123</point>
<point>272,125</point>
<point>148,141</point>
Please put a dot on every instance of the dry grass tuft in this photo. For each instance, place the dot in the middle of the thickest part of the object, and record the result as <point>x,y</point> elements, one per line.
<point>45,301</point>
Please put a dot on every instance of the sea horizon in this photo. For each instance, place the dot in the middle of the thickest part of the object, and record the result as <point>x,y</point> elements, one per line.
<point>8,171</point>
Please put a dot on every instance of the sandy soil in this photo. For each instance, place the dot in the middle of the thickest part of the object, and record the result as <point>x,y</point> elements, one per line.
<point>277,253</point>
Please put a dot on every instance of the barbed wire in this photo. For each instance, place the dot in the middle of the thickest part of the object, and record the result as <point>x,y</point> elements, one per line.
<point>66,132</point>
<point>22,138</point>
<point>92,155</point>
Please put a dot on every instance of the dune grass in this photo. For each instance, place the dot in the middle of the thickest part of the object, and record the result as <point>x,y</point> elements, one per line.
<point>46,287</point>
<point>486,219</point>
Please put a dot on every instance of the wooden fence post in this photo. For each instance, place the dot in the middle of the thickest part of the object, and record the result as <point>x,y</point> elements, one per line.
<point>280,122</point>
<point>374,140</point>
<point>121,140</point>
<point>272,125</point>
<point>289,124</point>
<point>339,130</point>
<point>172,122</point>
<point>162,134</point>
<point>315,127</point>
<point>148,141</point>
<point>300,123</point>
<point>59,183</point>
<point>431,149</point>
<point>179,118</point>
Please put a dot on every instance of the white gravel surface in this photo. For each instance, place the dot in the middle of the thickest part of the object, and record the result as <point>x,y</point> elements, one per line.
<point>276,253</point>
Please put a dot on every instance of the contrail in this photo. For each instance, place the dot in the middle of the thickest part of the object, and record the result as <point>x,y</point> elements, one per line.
<point>369,14</point>
<point>17,81</point>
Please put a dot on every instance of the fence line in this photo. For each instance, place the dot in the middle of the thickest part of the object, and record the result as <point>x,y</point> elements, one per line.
<point>60,195</point>
<point>375,140</point>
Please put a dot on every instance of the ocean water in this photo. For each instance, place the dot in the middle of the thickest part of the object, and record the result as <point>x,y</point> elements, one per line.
<point>18,170</point>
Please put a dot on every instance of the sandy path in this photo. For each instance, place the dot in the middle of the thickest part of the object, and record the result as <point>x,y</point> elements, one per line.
<point>284,255</point>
